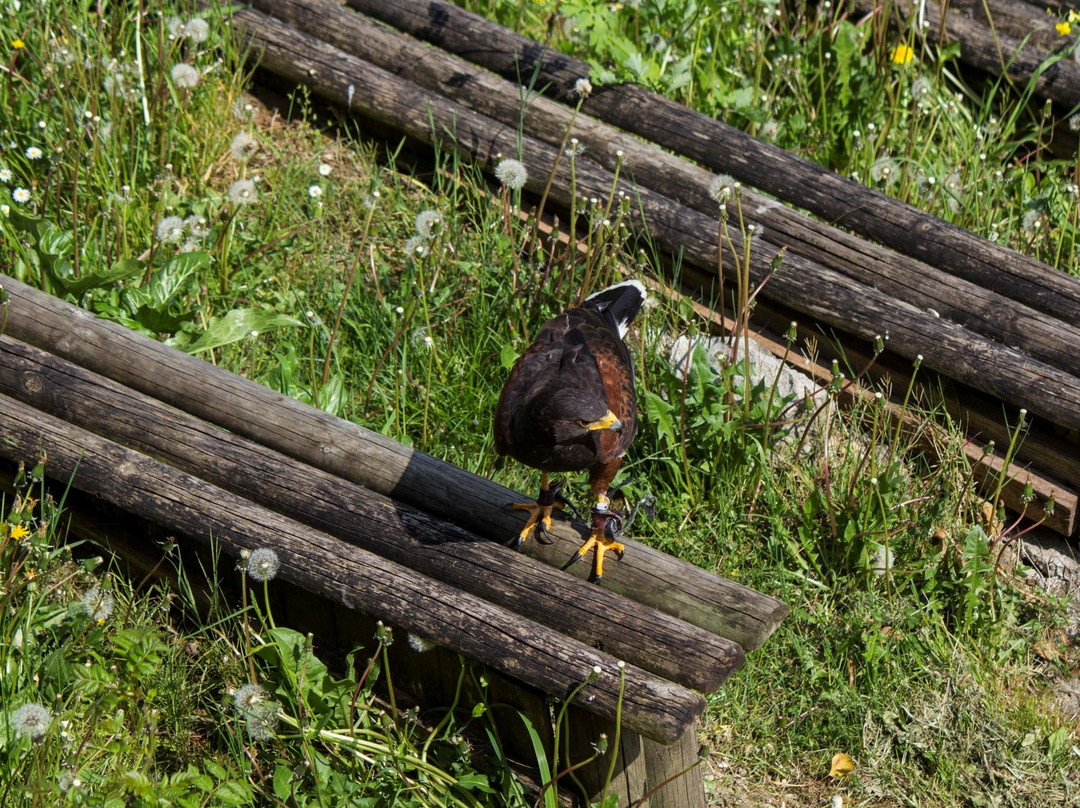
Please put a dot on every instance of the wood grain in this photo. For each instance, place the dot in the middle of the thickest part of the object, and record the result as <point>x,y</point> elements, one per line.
<point>344,574</point>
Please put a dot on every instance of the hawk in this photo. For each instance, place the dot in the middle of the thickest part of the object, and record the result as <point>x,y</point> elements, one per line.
<point>569,405</point>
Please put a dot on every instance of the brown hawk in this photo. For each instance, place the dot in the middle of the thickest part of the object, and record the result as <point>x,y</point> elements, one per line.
<point>569,405</point>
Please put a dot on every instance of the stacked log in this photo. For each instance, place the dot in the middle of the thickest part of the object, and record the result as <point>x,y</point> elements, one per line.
<point>998,323</point>
<point>368,524</point>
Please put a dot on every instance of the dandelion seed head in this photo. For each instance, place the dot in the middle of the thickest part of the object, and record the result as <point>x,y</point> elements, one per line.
<point>242,110</point>
<point>416,247</point>
<point>242,192</point>
<point>31,721</point>
<point>1031,221</point>
<point>721,188</point>
<point>175,27</point>
<point>429,223</point>
<point>184,75</point>
<point>170,230</point>
<point>512,173</point>
<point>243,147</point>
<point>98,604</point>
<point>262,564</point>
<point>419,644</point>
<point>885,171</point>
<point>248,696</point>
<point>583,88</point>
<point>197,29</point>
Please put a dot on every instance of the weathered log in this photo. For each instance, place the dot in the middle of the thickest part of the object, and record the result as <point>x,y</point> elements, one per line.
<point>986,464</point>
<point>824,294</point>
<point>905,278</point>
<point>341,573</point>
<point>311,436</point>
<point>836,199</point>
<point>999,51</point>
<point>650,639</point>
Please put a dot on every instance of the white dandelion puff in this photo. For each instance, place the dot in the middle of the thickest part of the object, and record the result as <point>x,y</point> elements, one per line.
<point>416,247</point>
<point>721,188</point>
<point>429,224</point>
<point>197,29</point>
<point>885,171</point>
<point>242,192</point>
<point>243,147</point>
<point>98,604</point>
<point>170,230</point>
<point>184,75</point>
<point>262,564</point>
<point>31,721</point>
<point>512,173</point>
<point>419,644</point>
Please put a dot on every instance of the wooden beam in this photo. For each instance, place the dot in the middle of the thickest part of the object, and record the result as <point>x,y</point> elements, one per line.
<point>353,453</point>
<point>836,199</point>
<point>643,636</point>
<point>957,300</point>
<point>341,573</point>
<point>828,296</point>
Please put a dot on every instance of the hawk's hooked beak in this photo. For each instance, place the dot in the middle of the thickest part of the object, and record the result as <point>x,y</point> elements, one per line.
<point>608,421</point>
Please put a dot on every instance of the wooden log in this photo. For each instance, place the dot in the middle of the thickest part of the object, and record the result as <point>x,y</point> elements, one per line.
<point>674,775</point>
<point>1063,518</point>
<point>582,735</point>
<point>836,199</point>
<point>905,278</point>
<point>1036,456</point>
<point>643,636</point>
<point>344,574</point>
<point>353,453</point>
<point>822,293</point>
<point>1000,51</point>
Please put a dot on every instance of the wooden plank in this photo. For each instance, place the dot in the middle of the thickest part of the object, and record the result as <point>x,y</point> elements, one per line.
<point>345,450</point>
<point>722,148</point>
<point>582,733</point>
<point>1000,51</point>
<point>955,299</point>
<point>674,772</point>
<point>643,636</point>
<point>341,573</point>
<point>822,293</point>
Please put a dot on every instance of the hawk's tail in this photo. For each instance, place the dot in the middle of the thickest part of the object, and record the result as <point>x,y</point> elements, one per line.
<point>619,303</point>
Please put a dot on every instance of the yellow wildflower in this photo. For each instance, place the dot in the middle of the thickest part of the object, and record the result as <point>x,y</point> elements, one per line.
<point>842,764</point>
<point>18,532</point>
<point>902,54</point>
<point>1063,28</point>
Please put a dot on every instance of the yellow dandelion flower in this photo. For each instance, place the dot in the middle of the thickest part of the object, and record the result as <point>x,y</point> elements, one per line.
<point>18,532</point>
<point>902,54</point>
<point>1063,28</point>
<point>18,43</point>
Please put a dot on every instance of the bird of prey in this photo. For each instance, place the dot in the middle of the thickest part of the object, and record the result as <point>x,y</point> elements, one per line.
<point>569,405</point>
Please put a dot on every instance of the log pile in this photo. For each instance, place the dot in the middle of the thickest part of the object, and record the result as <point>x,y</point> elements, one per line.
<point>370,525</point>
<point>1000,328</point>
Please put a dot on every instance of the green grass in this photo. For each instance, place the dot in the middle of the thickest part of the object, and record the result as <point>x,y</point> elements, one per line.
<point>921,667</point>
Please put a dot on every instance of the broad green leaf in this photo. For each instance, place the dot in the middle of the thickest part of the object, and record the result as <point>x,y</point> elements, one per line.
<point>238,324</point>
